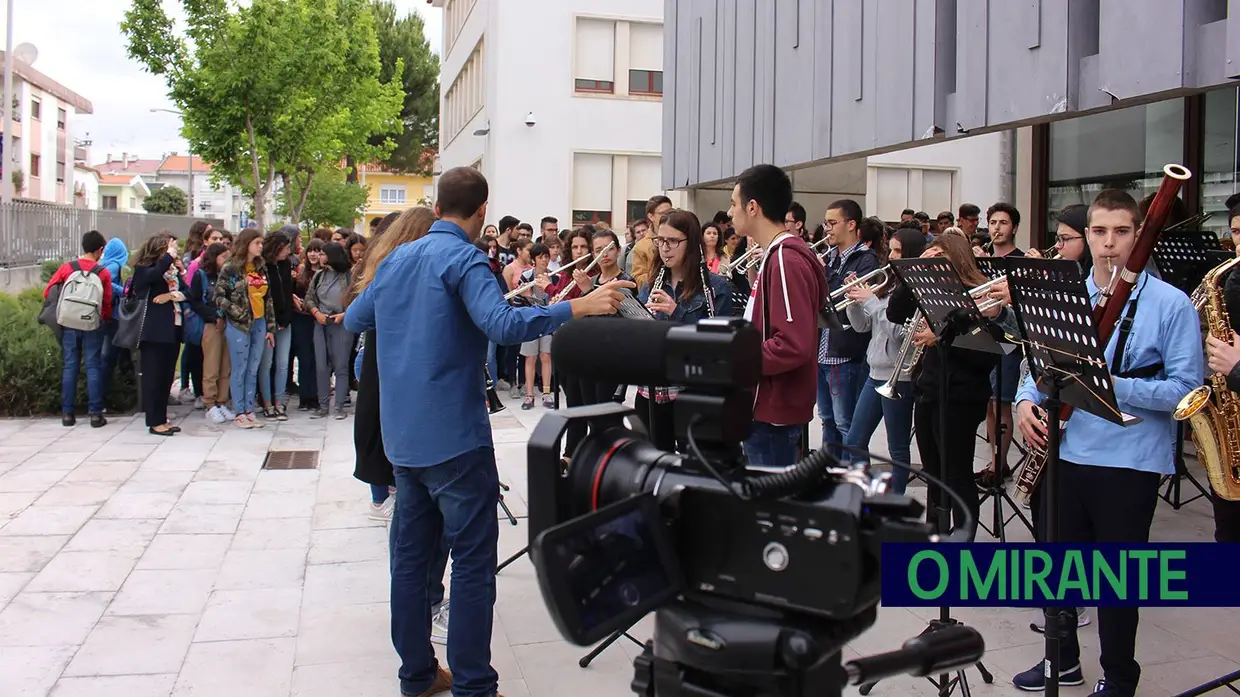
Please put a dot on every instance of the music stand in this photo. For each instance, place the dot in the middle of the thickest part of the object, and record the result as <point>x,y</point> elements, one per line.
<point>1055,315</point>
<point>952,315</point>
<point>1183,261</point>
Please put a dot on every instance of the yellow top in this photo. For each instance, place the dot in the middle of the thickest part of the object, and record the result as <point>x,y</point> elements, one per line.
<point>256,283</point>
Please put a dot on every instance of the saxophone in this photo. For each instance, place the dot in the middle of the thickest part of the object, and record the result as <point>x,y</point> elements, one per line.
<point>1213,411</point>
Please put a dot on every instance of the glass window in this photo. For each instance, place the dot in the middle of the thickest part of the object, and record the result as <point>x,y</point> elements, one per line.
<point>645,82</point>
<point>1123,149</point>
<point>590,217</point>
<point>392,194</point>
<point>1221,157</point>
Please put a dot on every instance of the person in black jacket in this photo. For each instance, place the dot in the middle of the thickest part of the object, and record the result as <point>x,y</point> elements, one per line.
<point>968,386</point>
<point>1224,358</point>
<point>276,249</point>
<point>157,277</point>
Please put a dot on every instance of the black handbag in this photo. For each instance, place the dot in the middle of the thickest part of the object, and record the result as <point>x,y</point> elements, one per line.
<point>131,318</point>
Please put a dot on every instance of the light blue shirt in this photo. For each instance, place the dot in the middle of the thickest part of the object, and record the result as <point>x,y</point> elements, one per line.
<point>1165,329</point>
<point>434,304</point>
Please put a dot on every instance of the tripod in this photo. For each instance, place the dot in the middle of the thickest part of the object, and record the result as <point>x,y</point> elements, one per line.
<point>1172,481</point>
<point>993,488</point>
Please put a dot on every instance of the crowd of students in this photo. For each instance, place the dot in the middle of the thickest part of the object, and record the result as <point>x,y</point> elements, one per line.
<point>235,314</point>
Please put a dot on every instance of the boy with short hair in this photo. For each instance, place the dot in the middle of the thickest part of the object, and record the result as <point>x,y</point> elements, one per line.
<point>91,348</point>
<point>539,349</point>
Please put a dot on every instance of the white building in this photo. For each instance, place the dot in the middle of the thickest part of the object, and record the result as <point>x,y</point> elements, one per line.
<point>570,122</point>
<point>223,202</point>
<point>42,143</point>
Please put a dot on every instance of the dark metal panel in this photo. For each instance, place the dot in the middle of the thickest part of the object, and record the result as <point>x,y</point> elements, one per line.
<point>1042,86</point>
<point>1209,54</point>
<point>972,64</point>
<point>764,104</point>
<point>924,67</point>
<point>727,102</point>
<point>1233,40</point>
<point>794,71</point>
<point>745,87</point>
<point>1140,46</point>
<point>1030,22</point>
<point>1082,41</point>
<point>852,112</point>
<point>1092,94</point>
<point>670,122</point>
<point>894,68</point>
<point>709,159</point>
<point>685,116</point>
<point>821,81</point>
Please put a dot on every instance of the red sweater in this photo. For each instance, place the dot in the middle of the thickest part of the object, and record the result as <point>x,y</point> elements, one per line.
<point>797,287</point>
<point>87,264</point>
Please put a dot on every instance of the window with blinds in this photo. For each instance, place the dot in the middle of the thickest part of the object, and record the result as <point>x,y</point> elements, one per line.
<point>645,59</point>
<point>594,63</point>
<point>466,97</point>
<point>591,188</point>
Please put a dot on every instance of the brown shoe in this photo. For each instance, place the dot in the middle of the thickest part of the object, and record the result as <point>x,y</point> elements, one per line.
<point>443,683</point>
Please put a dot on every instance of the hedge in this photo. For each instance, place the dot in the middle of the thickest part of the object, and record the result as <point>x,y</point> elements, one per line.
<point>30,365</point>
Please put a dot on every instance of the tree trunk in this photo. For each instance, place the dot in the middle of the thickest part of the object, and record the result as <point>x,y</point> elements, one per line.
<point>350,169</point>
<point>260,186</point>
<point>301,202</point>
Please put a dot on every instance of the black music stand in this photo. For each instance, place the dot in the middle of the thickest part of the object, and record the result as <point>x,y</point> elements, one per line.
<point>1055,315</point>
<point>1183,260</point>
<point>994,488</point>
<point>952,315</point>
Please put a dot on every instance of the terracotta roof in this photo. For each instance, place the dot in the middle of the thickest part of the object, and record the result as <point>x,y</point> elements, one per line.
<point>23,70</point>
<point>132,167</point>
<point>116,179</point>
<point>180,163</point>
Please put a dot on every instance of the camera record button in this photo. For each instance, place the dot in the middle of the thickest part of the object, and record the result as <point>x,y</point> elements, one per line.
<point>813,534</point>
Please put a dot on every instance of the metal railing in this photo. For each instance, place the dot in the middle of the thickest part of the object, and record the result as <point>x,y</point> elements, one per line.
<point>32,233</point>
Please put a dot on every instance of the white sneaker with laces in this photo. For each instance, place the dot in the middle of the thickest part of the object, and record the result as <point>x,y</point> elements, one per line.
<point>439,626</point>
<point>216,415</point>
<point>228,413</point>
<point>383,511</point>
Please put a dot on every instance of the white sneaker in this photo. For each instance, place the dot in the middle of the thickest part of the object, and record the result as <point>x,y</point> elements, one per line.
<point>228,413</point>
<point>216,415</point>
<point>439,626</point>
<point>198,403</point>
<point>383,511</point>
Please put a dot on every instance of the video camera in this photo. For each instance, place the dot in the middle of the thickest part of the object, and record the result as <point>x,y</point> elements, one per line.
<point>757,578</point>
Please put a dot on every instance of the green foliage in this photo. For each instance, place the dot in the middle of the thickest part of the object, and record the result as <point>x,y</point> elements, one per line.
<point>30,364</point>
<point>333,201</point>
<point>49,269</point>
<point>167,199</point>
<point>403,41</point>
<point>271,88</point>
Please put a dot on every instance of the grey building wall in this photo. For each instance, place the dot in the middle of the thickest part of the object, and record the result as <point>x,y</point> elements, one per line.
<point>790,82</point>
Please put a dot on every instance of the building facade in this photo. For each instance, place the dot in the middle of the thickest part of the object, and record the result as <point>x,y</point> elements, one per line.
<point>391,192</point>
<point>569,123</point>
<point>122,192</point>
<point>43,118</point>
<point>1075,94</point>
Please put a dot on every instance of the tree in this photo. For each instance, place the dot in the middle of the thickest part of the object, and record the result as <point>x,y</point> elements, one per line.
<point>331,202</point>
<point>403,41</point>
<point>167,199</point>
<point>275,88</point>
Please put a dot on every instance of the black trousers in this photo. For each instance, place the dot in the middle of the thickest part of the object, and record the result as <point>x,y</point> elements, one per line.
<point>1106,505</point>
<point>580,392</point>
<point>191,368</point>
<point>1226,519</point>
<point>159,364</point>
<point>963,418</point>
<point>303,349</point>
<point>660,419</point>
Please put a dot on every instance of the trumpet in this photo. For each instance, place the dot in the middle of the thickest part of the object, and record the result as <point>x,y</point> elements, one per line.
<point>741,263</point>
<point>843,290</point>
<point>526,286</point>
<point>980,292</point>
<point>904,362</point>
<point>589,267</point>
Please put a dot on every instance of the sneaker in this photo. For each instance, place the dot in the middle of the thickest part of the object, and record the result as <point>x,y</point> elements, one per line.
<point>254,423</point>
<point>528,402</point>
<point>1034,679</point>
<point>439,625</point>
<point>1101,690</point>
<point>216,415</point>
<point>503,385</point>
<point>281,412</point>
<point>383,512</point>
<point>198,403</point>
<point>269,413</point>
<point>68,420</point>
<point>319,413</point>
<point>341,414</point>
<point>548,400</point>
<point>242,422</point>
<point>97,421</point>
<point>514,392</point>
<point>229,414</point>
<point>1039,622</point>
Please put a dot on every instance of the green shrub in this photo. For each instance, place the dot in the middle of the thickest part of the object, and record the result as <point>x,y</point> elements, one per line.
<point>30,365</point>
<point>49,269</point>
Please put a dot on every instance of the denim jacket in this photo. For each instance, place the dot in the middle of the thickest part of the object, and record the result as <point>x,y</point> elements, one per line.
<point>695,308</point>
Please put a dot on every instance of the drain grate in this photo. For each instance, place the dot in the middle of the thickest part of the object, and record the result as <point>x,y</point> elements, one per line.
<point>291,460</point>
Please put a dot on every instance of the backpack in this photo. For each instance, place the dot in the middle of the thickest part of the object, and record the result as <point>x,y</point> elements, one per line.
<point>80,305</point>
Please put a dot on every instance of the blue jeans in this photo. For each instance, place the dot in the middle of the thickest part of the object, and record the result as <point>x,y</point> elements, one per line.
<point>453,503</point>
<point>284,341</point>
<point>378,494</point>
<point>492,363</point>
<point>772,446</point>
<point>897,414</point>
<point>73,357</point>
<point>838,389</point>
<point>245,352</point>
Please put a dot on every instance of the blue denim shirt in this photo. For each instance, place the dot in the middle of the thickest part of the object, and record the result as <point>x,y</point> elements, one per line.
<point>1165,329</point>
<point>695,308</point>
<point>434,304</point>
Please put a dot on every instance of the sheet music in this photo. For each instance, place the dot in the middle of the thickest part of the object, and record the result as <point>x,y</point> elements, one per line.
<point>630,308</point>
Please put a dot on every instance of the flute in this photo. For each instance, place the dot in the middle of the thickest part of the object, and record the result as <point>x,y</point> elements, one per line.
<point>526,286</point>
<point>589,267</point>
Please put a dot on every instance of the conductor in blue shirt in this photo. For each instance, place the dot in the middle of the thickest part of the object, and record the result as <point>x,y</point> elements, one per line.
<point>434,305</point>
<point>1108,475</point>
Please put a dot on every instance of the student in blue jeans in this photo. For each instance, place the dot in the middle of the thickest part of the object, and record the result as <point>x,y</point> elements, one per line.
<point>434,304</point>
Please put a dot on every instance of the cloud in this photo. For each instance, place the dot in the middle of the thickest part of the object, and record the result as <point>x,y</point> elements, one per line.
<point>81,46</point>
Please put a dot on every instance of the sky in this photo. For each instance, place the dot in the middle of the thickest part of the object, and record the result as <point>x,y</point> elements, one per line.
<point>80,45</point>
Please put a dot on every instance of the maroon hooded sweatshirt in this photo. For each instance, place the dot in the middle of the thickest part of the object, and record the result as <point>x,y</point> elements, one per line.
<point>791,289</point>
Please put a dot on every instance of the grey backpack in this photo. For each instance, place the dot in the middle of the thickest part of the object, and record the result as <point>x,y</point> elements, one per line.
<point>81,299</point>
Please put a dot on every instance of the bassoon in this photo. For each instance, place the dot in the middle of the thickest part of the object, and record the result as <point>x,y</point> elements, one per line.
<point>1114,297</point>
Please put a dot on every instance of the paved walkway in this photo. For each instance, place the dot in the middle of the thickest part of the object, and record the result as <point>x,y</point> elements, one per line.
<point>138,566</point>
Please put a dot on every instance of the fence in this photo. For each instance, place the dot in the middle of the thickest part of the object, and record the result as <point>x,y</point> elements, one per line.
<point>32,233</point>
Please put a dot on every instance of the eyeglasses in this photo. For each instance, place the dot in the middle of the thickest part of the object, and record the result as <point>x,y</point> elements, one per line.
<point>668,242</point>
<point>1062,240</point>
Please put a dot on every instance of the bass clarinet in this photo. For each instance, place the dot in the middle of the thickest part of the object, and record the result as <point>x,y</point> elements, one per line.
<point>1111,304</point>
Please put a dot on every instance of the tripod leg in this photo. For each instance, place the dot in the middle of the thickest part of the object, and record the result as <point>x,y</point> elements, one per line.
<point>511,559</point>
<point>586,659</point>
<point>507,511</point>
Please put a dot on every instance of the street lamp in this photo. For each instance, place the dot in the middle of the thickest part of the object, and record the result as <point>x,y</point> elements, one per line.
<point>190,150</point>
